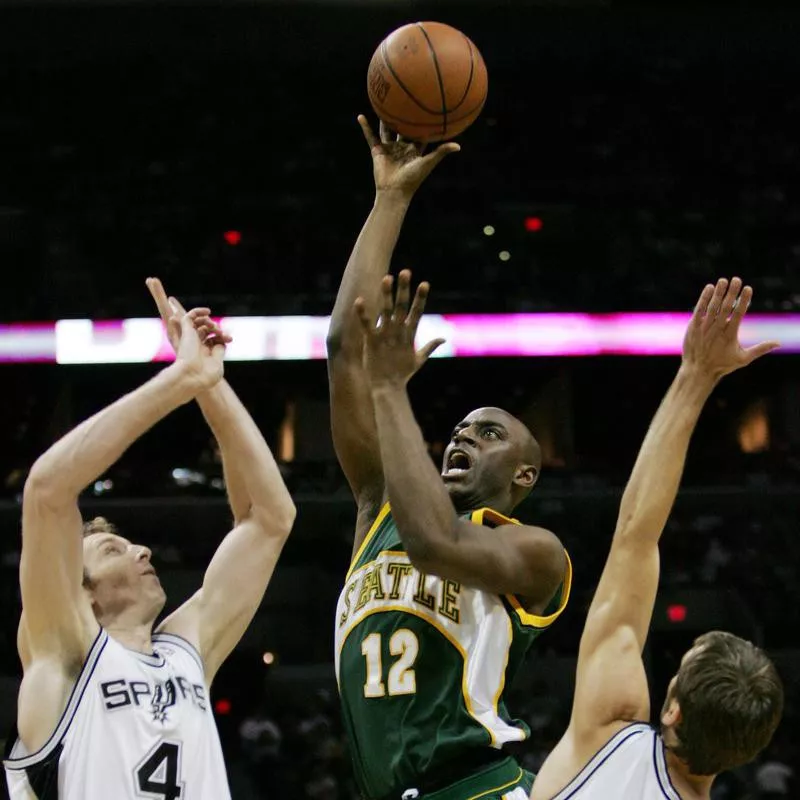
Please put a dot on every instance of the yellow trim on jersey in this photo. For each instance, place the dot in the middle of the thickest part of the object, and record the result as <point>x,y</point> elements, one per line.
<point>370,533</point>
<point>535,621</point>
<point>482,514</point>
<point>498,788</point>
<point>526,618</point>
<point>450,638</point>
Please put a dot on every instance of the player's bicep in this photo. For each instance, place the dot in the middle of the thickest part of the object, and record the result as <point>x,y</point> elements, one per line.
<point>625,595</point>
<point>510,559</point>
<point>610,685</point>
<point>216,617</point>
<point>353,428</point>
<point>58,619</point>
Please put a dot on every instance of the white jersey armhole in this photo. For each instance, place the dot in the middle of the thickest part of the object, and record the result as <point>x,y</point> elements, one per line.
<point>19,759</point>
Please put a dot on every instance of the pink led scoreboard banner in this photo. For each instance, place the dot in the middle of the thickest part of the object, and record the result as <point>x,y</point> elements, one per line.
<point>132,341</point>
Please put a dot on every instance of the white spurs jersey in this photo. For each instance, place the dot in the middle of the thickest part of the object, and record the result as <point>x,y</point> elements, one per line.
<point>630,766</point>
<point>135,726</point>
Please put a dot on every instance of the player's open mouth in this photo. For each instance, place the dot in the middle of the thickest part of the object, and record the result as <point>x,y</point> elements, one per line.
<point>458,463</point>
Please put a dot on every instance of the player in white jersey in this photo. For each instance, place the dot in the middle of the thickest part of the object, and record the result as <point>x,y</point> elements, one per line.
<point>110,709</point>
<point>726,700</point>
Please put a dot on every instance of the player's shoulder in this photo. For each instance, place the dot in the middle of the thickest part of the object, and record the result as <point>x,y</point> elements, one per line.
<point>584,754</point>
<point>534,533</point>
<point>540,545</point>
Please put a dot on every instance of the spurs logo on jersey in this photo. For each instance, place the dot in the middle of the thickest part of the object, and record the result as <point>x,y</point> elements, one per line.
<point>158,696</point>
<point>135,726</point>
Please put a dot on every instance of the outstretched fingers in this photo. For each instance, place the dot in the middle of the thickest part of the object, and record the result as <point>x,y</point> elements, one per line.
<point>418,306</point>
<point>761,349</point>
<point>730,299</point>
<point>715,304</point>
<point>403,297</point>
<point>442,151</point>
<point>427,350</point>
<point>367,324</point>
<point>369,134</point>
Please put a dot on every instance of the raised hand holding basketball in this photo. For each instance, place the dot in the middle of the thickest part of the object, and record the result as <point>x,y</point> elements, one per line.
<point>711,346</point>
<point>399,165</point>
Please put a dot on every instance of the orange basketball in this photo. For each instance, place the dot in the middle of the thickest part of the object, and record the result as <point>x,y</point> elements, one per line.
<point>427,81</point>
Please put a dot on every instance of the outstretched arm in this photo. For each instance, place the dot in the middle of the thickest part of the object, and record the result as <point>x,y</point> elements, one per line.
<point>58,622</point>
<point>217,616</point>
<point>611,684</point>
<point>517,559</point>
<point>399,169</point>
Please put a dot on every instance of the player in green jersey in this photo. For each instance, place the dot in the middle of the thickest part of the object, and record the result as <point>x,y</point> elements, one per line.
<point>446,592</point>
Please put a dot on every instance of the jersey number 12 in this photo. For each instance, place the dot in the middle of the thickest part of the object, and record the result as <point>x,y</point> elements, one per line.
<point>401,679</point>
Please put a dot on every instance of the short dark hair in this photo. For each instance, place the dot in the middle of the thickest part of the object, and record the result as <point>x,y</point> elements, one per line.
<point>731,701</point>
<point>99,525</point>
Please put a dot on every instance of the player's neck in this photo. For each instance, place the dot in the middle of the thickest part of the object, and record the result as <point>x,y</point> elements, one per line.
<point>689,787</point>
<point>136,637</point>
<point>468,504</point>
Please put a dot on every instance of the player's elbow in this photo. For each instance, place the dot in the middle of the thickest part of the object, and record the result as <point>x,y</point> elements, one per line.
<point>44,485</point>
<point>277,520</point>
<point>424,555</point>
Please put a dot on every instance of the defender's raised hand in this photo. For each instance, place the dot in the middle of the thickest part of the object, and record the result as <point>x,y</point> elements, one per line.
<point>210,333</point>
<point>198,341</point>
<point>389,354</point>
<point>399,165</point>
<point>711,345</point>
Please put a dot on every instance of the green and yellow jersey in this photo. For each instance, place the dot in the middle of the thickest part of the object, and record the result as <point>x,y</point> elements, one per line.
<point>422,661</point>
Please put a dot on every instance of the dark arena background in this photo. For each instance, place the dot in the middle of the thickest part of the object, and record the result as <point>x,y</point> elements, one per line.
<point>628,154</point>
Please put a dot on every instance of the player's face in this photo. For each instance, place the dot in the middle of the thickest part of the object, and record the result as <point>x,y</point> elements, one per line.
<point>482,457</point>
<point>121,576</point>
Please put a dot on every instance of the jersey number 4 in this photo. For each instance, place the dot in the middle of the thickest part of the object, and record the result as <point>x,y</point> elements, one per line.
<point>158,775</point>
<point>401,679</point>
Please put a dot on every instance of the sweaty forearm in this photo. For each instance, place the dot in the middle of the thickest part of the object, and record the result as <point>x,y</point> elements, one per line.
<point>369,262</point>
<point>87,451</point>
<point>654,482</point>
<point>252,478</point>
<point>421,506</point>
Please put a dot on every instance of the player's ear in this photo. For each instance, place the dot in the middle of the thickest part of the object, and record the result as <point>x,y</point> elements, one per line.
<point>526,476</point>
<point>671,716</point>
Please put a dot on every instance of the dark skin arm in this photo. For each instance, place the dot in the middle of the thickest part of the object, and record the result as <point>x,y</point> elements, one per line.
<point>399,169</point>
<point>516,559</point>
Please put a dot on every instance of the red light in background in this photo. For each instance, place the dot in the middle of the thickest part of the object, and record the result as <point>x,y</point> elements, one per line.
<point>533,224</point>
<point>676,612</point>
<point>232,237</point>
<point>222,706</point>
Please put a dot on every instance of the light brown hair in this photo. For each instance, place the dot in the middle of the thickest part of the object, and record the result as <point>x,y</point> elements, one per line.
<point>731,701</point>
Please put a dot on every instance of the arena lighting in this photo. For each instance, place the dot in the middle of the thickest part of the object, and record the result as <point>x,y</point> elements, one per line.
<point>676,612</point>
<point>137,341</point>
<point>223,706</point>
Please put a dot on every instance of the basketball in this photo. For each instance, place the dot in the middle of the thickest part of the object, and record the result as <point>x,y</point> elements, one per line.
<point>427,81</point>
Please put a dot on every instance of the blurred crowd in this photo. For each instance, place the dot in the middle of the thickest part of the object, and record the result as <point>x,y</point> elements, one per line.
<point>300,751</point>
